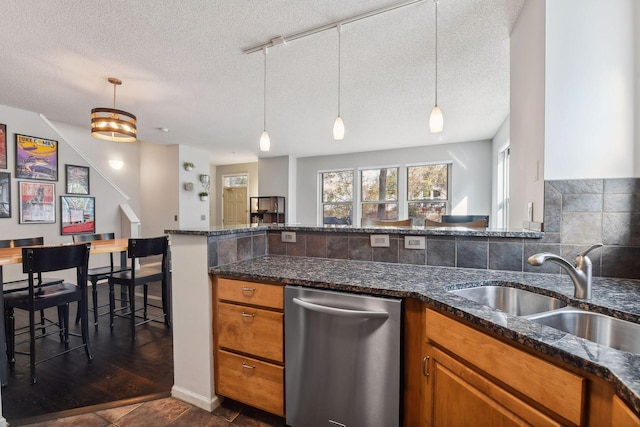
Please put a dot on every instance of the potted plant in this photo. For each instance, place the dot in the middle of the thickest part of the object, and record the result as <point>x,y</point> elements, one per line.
<point>188,166</point>
<point>204,196</point>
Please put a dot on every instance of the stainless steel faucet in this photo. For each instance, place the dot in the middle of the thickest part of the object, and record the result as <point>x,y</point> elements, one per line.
<point>580,274</point>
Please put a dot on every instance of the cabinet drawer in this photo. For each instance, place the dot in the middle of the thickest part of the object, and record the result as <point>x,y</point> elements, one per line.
<point>253,293</point>
<point>251,330</point>
<point>529,375</point>
<point>251,381</point>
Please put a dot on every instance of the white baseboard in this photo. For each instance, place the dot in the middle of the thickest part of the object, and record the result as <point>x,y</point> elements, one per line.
<point>197,400</point>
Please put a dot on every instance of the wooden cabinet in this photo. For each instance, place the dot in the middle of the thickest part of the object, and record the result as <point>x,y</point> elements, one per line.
<point>621,415</point>
<point>472,376</point>
<point>249,343</point>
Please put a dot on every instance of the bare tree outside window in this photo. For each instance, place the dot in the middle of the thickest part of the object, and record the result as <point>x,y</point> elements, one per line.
<point>428,191</point>
<point>337,197</point>
<point>379,189</point>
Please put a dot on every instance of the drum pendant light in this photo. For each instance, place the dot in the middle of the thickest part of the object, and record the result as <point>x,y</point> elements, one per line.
<point>338,125</point>
<point>436,121</point>
<point>265,141</point>
<point>111,124</point>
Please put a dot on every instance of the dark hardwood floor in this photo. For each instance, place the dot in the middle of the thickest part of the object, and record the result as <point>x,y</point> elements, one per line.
<point>119,370</point>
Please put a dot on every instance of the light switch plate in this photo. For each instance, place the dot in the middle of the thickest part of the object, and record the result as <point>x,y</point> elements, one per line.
<point>288,236</point>
<point>379,240</point>
<point>414,242</point>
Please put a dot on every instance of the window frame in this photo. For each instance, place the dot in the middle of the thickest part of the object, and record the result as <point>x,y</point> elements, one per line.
<point>361,203</point>
<point>351,204</point>
<point>447,202</point>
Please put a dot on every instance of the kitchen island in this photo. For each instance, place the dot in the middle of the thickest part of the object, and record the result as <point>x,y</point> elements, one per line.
<point>247,253</point>
<point>431,285</point>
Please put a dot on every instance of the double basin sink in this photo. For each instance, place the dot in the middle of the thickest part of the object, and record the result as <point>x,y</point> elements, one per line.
<point>550,311</point>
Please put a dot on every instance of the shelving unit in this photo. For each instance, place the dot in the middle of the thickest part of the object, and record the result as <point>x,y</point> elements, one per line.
<point>267,210</point>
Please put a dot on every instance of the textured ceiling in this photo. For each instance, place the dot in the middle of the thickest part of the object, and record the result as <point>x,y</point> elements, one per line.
<point>182,68</point>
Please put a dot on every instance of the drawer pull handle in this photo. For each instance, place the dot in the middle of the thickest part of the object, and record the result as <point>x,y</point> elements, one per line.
<point>245,289</point>
<point>245,366</point>
<point>425,361</point>
<point>248,314</point>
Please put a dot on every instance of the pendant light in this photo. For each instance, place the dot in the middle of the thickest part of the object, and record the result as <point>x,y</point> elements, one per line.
<point>338,125</point>
<point>265,142</point>
<point>436,121</point>
<point>111,124</point>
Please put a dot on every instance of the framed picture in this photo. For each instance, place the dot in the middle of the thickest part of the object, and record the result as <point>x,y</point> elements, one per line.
<point>5,195</point>
<point>77,179</point>
<point>77,215</point>
<point>36,158</point>
<point>3,146</point>
<point>37,202</point>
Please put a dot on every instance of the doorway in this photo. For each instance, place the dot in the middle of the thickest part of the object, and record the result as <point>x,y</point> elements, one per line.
<point>234,200</point>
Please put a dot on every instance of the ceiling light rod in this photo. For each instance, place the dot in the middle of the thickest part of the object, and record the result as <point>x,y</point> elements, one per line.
<point>291,37</point>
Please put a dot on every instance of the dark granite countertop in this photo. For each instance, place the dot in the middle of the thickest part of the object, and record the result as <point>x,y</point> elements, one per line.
<point>408,231</point>
<point>616,297</point>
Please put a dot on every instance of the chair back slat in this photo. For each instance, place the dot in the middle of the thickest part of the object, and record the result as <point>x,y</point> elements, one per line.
<point>19,243</point>
<point>473,224</point>
<point>90,237</point>
<point>140,248</point>
<point>371,222</point>
<point>29,241</point>
<point>54,258</point>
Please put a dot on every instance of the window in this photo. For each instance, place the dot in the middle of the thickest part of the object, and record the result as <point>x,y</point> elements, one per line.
<point>337,197</point>
<point>379,191</point>
<point>502,211</point>
<point>235,180</point>
<point>428,191</point>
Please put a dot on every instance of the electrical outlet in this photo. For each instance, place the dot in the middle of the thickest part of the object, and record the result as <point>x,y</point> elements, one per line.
<point>203,217</point>
<point>379,240</point>
<point>288,236</point>
<point>414,242</point>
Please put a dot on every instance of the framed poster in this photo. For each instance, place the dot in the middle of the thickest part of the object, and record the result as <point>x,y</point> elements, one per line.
<point>3,146</point>
<point>5,195</point>
<point>77,215</point>
<point>77,179</point>
<point>36,158</point>
<point>37,202</point>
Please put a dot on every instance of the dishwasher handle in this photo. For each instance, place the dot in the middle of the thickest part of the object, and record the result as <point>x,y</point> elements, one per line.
<point>341,311</point>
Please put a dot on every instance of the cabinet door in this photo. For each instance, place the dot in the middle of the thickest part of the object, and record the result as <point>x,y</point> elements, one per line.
<point>621,415</point>
<point>251,381</point>
<point>251,330</point>
<point>458,396</point>
<point>251,293</point>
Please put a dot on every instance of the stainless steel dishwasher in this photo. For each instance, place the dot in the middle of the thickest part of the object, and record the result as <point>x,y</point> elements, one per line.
<point>342,359</point>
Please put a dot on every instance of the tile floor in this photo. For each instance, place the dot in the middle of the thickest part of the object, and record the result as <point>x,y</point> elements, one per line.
<point>169,412</point>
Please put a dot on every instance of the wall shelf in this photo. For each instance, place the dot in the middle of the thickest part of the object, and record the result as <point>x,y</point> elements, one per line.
<point>267,210</point>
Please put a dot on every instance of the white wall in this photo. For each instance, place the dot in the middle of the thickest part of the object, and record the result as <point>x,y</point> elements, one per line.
<point>527,118</point>
<point>159,186</point>
<point>590,89</point>
<point>194,213</point>
<point>251,169</point>
<point>273,178</point>
<point>471,174</point>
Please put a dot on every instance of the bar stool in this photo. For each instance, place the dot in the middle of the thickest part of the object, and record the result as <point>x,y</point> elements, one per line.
<point>37,260</point>
<point>139,249</point>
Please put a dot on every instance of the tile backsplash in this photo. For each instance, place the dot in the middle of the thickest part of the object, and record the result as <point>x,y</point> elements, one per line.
<point>578,213</point>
